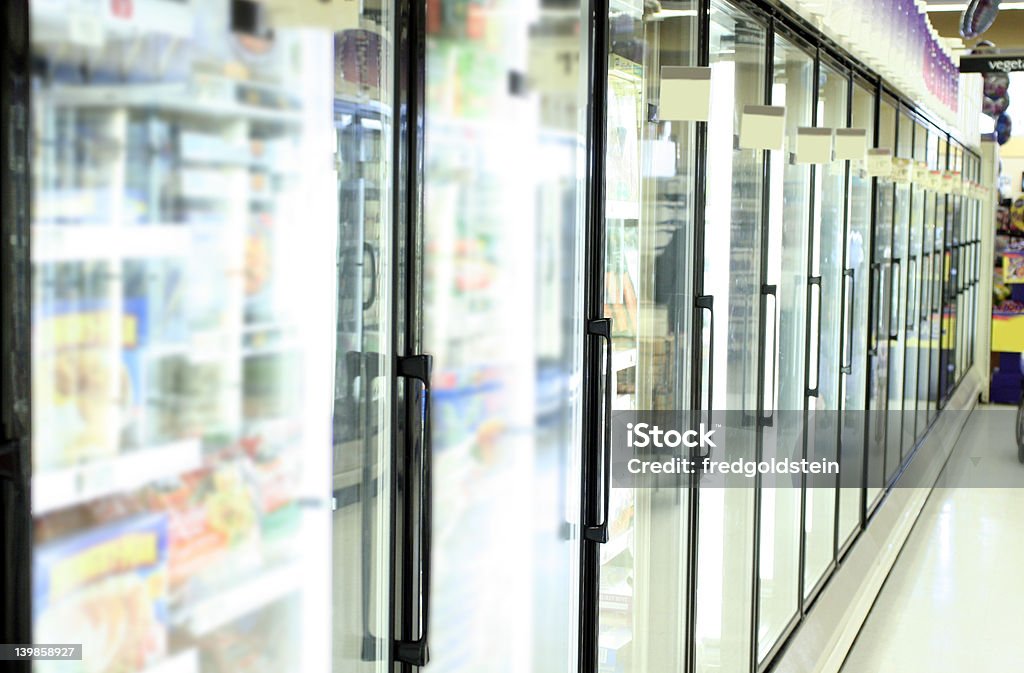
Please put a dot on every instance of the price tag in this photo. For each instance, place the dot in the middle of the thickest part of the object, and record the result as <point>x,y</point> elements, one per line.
<point>851,144</point>
<point>762,127</point>
<point>813,145</point>
<point>335,15</point>
<point>554,65</point>
<point>921,174</point>
<point>947,182</point>
<point>880,162</point>
<point>935,181</point>
<point>902,170</point>
<point>685,94</point>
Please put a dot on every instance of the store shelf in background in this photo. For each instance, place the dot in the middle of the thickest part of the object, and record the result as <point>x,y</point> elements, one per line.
<point>64,487</point>
<point>64,243</point>
<point>1007,332</point>
<point>173,98</point>
<point>183,662</point>
<point>244,598</point>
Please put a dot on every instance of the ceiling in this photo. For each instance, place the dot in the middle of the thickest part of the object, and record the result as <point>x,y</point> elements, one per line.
<point>1007,32</point>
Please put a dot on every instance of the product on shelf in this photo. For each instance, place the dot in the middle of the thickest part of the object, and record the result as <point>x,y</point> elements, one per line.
<point>1017,214</point>
<point>78,375</point>
<point>108,587</point>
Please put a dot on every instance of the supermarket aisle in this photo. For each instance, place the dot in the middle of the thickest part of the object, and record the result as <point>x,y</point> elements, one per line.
<point>953,600</point>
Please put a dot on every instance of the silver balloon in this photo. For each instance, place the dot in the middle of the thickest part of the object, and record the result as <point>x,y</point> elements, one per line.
<point>978,17</point>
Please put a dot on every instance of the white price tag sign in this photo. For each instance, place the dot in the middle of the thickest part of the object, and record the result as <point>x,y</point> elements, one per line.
<point>880,163</point>
<point>762,127</point>
<point>921,173</point>
<point>813,145</point>
<point>685,94</point>
<point>902,170</point>
<point>851,144</point>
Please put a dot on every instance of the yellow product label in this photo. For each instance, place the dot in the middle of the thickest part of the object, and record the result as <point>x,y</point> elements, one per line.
<point>131,551</point>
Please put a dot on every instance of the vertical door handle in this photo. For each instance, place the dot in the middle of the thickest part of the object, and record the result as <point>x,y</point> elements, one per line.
<point>415,652</point>
<point>368,252</point>
<point>814,282</point>
<point>848,282</point>
<point>602,328</point>
<point>768,415</point>
<point>897,286</point>
<point>706,302</point>
<point>926,268</point>
<point>875,290</point>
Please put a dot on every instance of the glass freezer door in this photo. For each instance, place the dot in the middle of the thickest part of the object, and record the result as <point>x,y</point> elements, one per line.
<point>648,295</point>
<point>785,382</point>
<point>731,340</point>
<point>210,269</point>
<point>505,147</point>
<point>882,267</point>
<point>856,337</point>
<point>827,329</point>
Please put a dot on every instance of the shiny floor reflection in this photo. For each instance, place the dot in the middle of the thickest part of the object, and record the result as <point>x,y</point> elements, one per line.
<point>953,601</point>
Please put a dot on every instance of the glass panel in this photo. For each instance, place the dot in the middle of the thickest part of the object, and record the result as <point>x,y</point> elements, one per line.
<point>362,409</point>
<point>946,307</point>
<point>897,312</point>
<point>732,251</point>
<point>855,302</point>
<point>785,376</point>
<point>915,275</point>
<point>502,246</point>
<point>830,202</point>
<point>882,268</point>
<point>649,297</point>
<point>186,226</point>
<point>933,217</point>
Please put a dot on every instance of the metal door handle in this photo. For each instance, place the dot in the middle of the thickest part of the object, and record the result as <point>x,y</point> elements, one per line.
<point>815,282</point>
<point>415,652</point>
<point>768,415</point>
<point>847,366</point>
<point>602,328</point>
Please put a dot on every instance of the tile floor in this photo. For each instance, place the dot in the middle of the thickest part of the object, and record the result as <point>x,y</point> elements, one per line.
<point>954,601</point>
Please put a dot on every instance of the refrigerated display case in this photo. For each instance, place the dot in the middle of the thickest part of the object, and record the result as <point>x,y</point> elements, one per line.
<point>251,222</point>
<point>899,267</point>
<point>732,337</point>
<point>648,297</point>
<point>856,295</point>
<point>884,265</point>
<point>210,265</point>
<point>786,274</point>
<point>504,148</point>
<point>826,326</point>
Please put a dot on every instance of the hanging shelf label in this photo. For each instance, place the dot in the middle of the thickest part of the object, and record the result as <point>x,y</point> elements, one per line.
<point>813,145</point>
<point>851,144</point>
<point>762,127</point>
<point>880,162</point>
<point>685,94</point>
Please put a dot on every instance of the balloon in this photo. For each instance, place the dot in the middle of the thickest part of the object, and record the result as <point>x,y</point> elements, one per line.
<point>978,17</point>
<point>1004,125</point>
<point>995,107</point>
<point>996,84</point>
